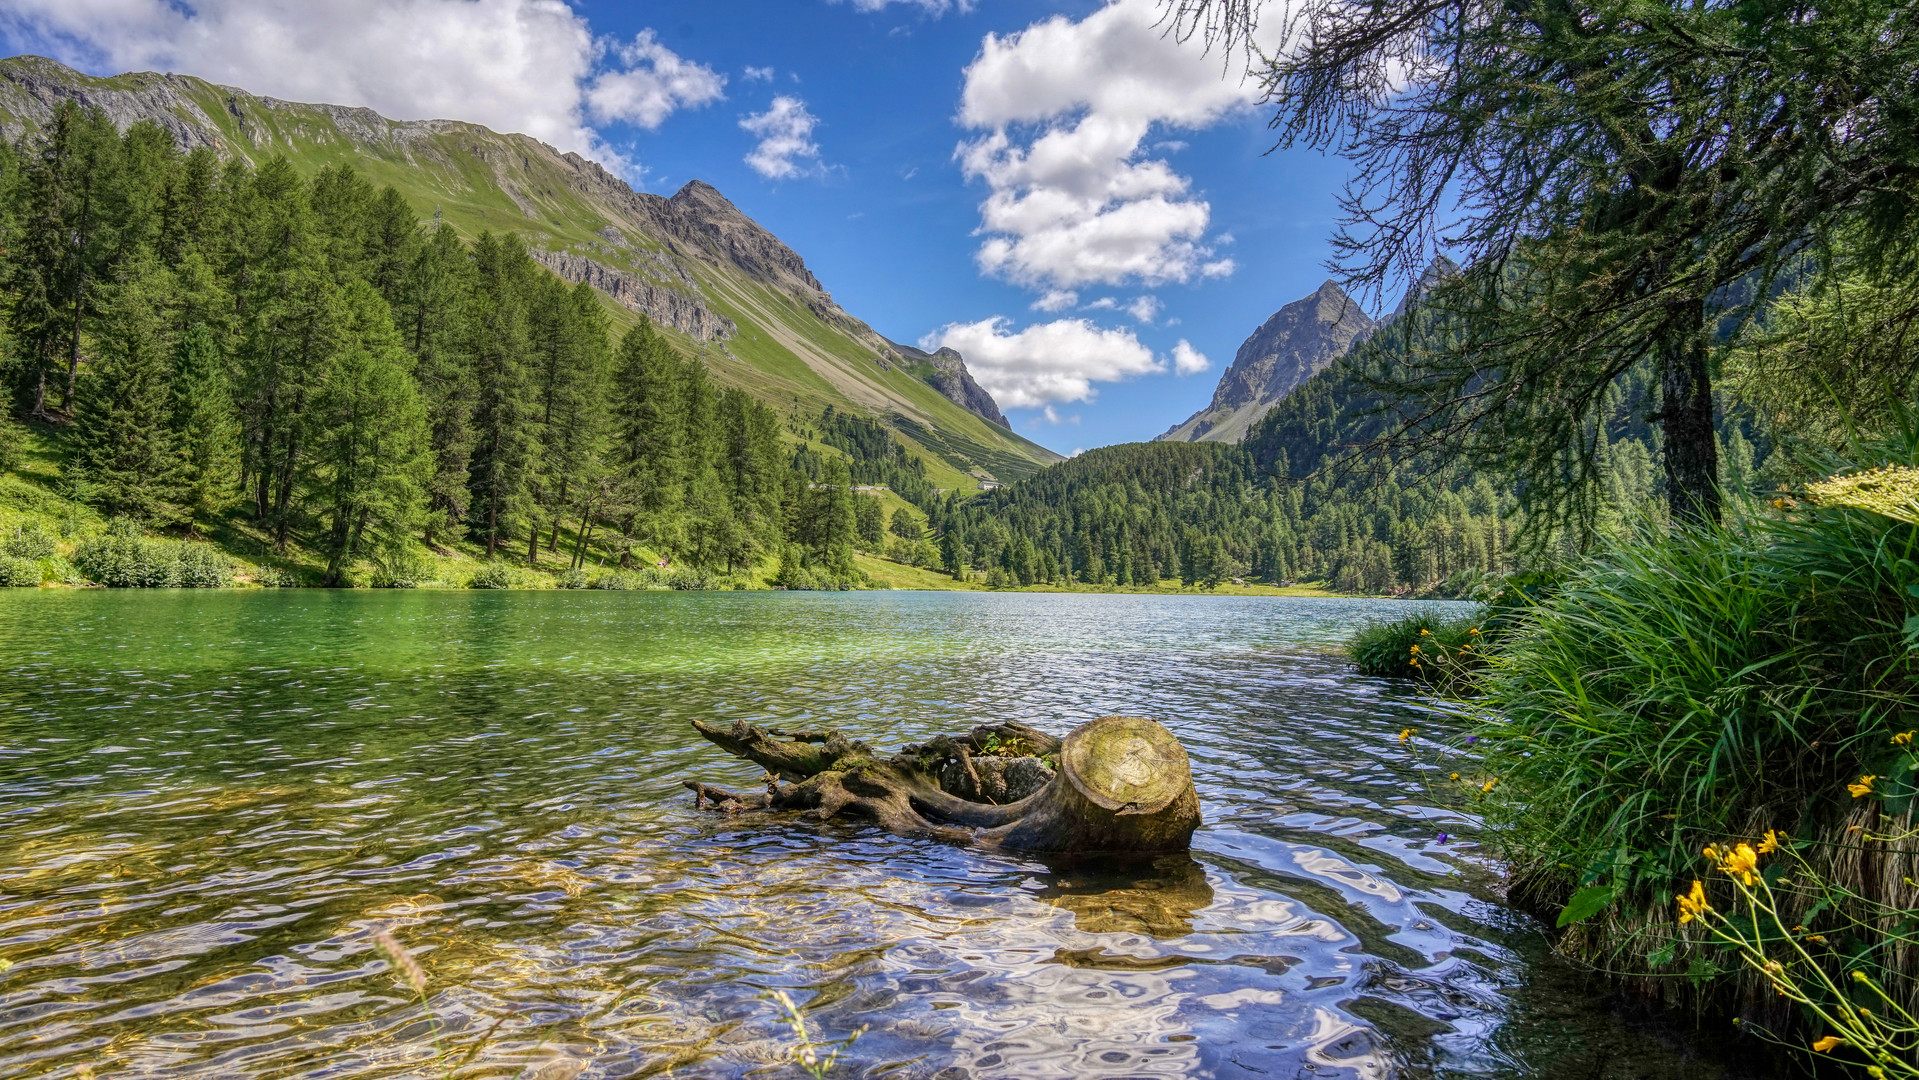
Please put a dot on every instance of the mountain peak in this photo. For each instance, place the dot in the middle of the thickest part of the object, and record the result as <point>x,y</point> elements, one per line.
<point>1296,343</point>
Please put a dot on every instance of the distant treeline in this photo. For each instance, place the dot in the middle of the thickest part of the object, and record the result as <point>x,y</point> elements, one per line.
<point>209,336</point>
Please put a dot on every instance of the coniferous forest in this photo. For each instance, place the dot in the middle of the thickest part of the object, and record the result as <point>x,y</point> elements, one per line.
<point>308,362</point>
<point>210,340</point>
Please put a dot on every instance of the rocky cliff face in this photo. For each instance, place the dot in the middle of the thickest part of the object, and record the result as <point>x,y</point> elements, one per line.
<point>1298,342</point>
<point>946,372</point>
<point>664,306</point>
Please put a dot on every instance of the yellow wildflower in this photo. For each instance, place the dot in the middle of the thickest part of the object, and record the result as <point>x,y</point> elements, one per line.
<point>1742,862</point>
<point>1415,649</point>
<point>1488,785</point>
<point>1710,851</point>
<point>1904,738</point>
<point>1405,734</point>
<point>1455,776</point>
<point>1827,1043</point>
<point>1819,938</point>
<point>1770,844</point>
<point>1474,630</point>
<point>1424,633</point>
<point>1890,490</point>
<point>1692,904</point>
<point>1863,787</point>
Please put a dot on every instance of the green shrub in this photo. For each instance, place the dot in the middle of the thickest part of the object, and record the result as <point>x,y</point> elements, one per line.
<point>399,566</point>
<point>124,558</point>
<point>626,580</point>
<point>493,575</point>
<point>29,541</point>
<point>689,580</point>
<point>1428,646</point>
<point>18,573</point>
<point>1692,688</point>
<point>275,577</point>
<point>197,566</point>
<point>571,579</point>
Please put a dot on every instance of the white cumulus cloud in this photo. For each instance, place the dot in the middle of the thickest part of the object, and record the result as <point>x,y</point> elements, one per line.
<point>1188,360</point>
<point>528,66</point>
<point>759,74</point>
<point>931,7</point>
<point>1044,363</point>
<point>654,83</point>
<point>1056,300</point>
<point>1143,309</point>
<point>785,131</point>
<point>1064,108</point>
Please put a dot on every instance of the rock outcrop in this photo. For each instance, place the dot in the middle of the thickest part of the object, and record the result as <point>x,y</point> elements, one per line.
<point>945,370</point>
<point>1298,342</point>
<point>664,306</point>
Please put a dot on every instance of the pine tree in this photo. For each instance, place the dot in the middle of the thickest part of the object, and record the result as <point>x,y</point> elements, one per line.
<point>206,429</point>
<point>368,458</point>
<point>505,437</point>
<point>433,315</point>
<point>290,317</point>
<point>69,188</point>
<point>649,436</point>
<point>124,457</point>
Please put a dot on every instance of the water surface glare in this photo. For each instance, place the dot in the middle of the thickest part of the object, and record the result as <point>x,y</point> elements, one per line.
<point>210,804</point>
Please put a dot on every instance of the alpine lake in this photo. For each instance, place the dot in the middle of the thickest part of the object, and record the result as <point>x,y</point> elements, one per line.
<point>211,803</point>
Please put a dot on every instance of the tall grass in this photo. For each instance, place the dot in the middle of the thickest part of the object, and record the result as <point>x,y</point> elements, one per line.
<point>1692,687</point>
<point>1426,646</point>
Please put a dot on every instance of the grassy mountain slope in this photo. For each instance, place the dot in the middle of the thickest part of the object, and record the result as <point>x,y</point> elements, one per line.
<point>725,288</point>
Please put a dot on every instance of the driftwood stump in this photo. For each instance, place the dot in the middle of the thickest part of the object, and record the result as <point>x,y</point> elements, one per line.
<point>1116,785</point>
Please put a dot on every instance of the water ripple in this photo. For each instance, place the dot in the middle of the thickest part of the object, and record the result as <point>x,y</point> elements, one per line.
<point>212,804</point>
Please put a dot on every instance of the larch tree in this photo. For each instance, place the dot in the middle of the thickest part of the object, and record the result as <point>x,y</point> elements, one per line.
<point>124,456</point>
<point>367,458</point>
<point>1624,180</point>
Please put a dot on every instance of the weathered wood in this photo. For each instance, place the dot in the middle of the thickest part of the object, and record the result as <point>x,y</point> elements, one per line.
<point>1119,784</point>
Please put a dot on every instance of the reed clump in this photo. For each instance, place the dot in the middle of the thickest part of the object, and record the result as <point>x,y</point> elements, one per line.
<point>1448,652</point>
<point>1710,687</point>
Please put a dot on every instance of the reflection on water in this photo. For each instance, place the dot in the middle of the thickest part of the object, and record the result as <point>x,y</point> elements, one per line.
<point>211,804</point>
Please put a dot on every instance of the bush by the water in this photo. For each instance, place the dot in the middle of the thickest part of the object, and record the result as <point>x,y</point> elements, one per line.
<point>399,566</point>
<point>18,573</point>
<point>1702,688</point>
<point>1427,646</point>
<point>28,541</point>
<point>572,579</point>
<point>626,580</point>
<point>124,558</point>
<point>491,576</point>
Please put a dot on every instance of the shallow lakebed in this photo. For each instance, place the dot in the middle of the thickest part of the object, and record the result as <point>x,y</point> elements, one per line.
<point>211,802</point>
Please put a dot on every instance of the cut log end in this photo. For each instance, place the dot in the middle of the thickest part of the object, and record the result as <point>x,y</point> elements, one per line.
<point>1123,785</point>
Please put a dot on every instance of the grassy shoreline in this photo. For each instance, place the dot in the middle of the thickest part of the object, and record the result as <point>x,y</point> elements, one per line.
<point>30,499</point>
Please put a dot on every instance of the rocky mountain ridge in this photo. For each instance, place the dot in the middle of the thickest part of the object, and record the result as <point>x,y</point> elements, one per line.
<point>1297,342</point>
<point>945,370</point>
<point>692,262</point>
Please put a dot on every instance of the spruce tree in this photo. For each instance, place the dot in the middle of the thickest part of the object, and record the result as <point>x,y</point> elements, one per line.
<point>505,446</point>
<point>367,459</point>
<point>649,436</point>
<point>433,314</point>
<point>124,458</point>
<point>206,429</point>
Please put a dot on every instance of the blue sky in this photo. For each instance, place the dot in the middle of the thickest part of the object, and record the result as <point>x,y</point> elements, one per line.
<point>943,166</point>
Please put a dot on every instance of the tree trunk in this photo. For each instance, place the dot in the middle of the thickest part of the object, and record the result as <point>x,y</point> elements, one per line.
<point>1116,785</point>
<point>1691,447</point>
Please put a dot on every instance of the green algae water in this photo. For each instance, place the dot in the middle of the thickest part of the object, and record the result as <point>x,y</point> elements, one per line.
<point>212,803</point>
